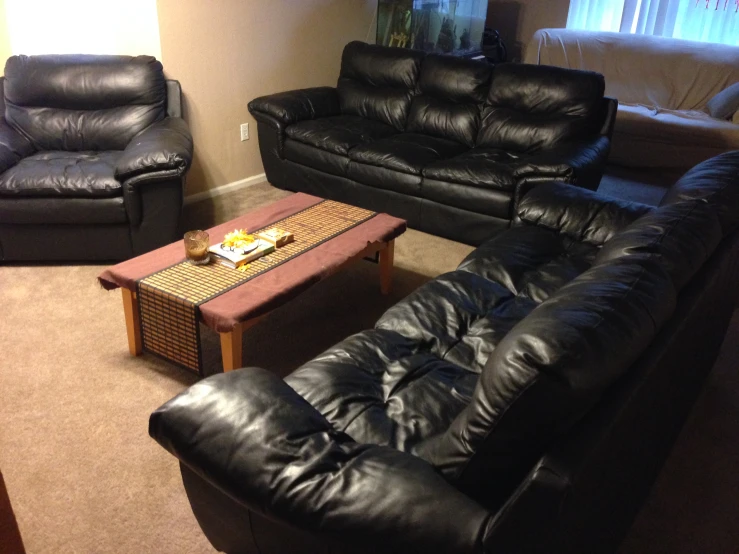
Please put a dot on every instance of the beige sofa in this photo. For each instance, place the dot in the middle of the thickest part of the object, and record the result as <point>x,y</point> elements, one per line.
<point>662,85</point>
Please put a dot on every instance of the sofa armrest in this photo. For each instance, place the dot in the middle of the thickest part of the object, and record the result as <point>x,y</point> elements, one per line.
<point>610,110</point>
<point>13,146</point>
<point>253,437</point>
<point>572,161</point>
<point>162,150</point>
<point>297,105</point>
<point>581,214</point>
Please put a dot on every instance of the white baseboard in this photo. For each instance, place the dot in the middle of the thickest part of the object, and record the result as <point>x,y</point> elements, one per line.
<point>223,189</point>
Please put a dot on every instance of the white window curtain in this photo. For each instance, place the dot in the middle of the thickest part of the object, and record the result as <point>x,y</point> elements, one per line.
<point>702,20</point>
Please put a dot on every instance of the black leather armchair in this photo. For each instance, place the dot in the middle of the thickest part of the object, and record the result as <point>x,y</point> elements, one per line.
<point>448,144</point>
<point>93,155</point>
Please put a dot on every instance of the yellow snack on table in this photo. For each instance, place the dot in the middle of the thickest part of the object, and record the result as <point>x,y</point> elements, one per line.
<point>236,238</point>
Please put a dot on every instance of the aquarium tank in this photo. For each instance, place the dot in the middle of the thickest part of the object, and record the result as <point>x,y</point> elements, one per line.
<point>442,26</point>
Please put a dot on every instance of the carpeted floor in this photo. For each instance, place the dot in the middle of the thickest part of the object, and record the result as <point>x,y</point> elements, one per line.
<point>84,477</point>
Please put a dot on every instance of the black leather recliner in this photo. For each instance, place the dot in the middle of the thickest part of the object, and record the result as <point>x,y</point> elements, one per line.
<point>522,403</point>
<point>447,143</point>
<point>93,154</point>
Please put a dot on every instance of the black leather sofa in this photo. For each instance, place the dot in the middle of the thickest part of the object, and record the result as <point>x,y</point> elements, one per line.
<point>522,403</point>
<point>443,142</point>
<point>93,154</point>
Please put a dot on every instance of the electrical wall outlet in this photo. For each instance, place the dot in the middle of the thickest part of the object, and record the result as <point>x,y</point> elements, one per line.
<point>244,132</point>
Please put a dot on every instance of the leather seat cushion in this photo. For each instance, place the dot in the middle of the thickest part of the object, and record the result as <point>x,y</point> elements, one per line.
<point>63,174</point>
<point>386,179</point>
<point>487,201</point>
<point>62,211</point>
<point>479,167</point>
<point>405,381</point>
<point>406,152</point>
<point>339,134</point>
<point>310,156</point>
<point>381,388</point>
<point>460,317</point>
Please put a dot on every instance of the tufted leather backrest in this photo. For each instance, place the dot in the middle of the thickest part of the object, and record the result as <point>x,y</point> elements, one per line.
<point>711,182</point>
<point>451,91</point>
<point>83,102</point>
<point>531,107</point>
<point>550,369</point>
<point>695,215</point>
<point>378,82</point>
<point>555,363</point>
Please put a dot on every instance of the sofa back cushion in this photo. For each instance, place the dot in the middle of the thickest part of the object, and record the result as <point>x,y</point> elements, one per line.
<point>378,82</point>
<point>531,107</point>
<point>680,236</point>
<point>83,102</point>
<point>552,367</point>
<point>694,217</point>
<point>549,370</point>
<point>661,72</point>
<point>451,92</point>
<point>713,182</point>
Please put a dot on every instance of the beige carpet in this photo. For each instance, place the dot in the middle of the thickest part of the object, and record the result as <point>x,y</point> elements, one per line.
<point>84,476</point>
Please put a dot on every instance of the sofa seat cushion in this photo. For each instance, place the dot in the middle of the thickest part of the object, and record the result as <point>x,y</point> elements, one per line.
<point>406,152</point>
<point>460,316</point>
<point>679,127</point>
<point>479,167</point>
<point>39,210</point>
<point>381,388</point>
<point>56,174</point>
<point>645,136</point>
<point>339,134</point>
<point>404,382</point>
<point>310,156</point>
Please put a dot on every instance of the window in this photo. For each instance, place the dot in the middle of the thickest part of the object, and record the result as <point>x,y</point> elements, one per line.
<point>83,27</point>
<point>702,20</point>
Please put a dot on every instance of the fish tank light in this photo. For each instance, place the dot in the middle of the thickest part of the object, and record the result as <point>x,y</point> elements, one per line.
<point>442,26</point>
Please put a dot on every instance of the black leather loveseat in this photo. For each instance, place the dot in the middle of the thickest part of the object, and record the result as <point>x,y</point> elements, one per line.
<point>446,143</point>
<point>522,403</point>
<point>93,153</point>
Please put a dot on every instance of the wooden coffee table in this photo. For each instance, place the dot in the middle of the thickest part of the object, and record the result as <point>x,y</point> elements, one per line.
<point>234,311</point>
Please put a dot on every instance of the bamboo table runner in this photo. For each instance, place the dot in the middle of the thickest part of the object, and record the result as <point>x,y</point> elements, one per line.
<point>169,299</point>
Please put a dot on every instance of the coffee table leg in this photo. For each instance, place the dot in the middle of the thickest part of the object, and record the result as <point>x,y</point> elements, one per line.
<point>133,323</point>
<point>386,267</point>
<point>231,349</point>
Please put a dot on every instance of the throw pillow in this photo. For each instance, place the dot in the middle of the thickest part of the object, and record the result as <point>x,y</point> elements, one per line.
<point>725,103</point>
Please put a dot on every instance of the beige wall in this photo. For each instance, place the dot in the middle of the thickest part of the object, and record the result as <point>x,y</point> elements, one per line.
<point>227,52</point>
<point>5,51</point>
<point>518,21</point>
